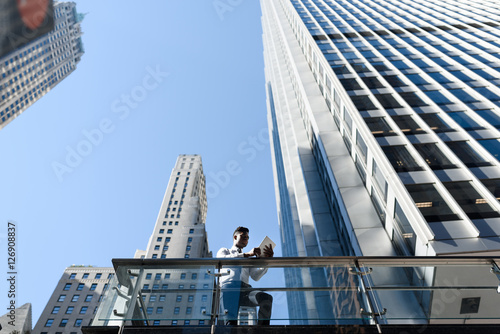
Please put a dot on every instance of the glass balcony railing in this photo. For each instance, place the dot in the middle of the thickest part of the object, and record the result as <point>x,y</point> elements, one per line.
<point>306,291</point>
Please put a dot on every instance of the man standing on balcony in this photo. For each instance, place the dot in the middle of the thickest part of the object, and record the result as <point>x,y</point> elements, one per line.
<point>236,291</point>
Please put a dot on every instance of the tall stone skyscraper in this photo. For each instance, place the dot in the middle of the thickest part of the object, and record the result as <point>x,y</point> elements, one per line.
<point>180,227</point>
<point>31,71</point>
<point>384,119</point>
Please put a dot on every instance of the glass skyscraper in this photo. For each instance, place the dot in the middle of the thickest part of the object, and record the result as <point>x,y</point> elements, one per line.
<point>384,119</point>
<point>29,72</point>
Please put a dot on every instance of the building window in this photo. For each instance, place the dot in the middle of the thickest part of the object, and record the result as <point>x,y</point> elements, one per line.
<point>156,286</point>
<point>80,287</point>
<point>78,322</point>
<point>159,310</point>
<point>156,323</point>
<point>70,309</point>
<point>83,310</point>
<point>191,231</point>
<point>72,276</point>
<point>152,298</point>
<point>155,256</point>
<point>148,276</point>
<point>55,310</point>
<point>162,231</point>
<point>467,154</point>
<point>204,298</point>
<point>167,276</point>
<point>110,276</point>
<point>470,200</point>
<point>401,159</point>
<point>61,298</point>
<point>169,231</point>
<point>98,276</point>
<point>190,239</point>
<point>194,276</point>
<point>174,322</point>
<point>157,247</point>
<point>145,287</point>
<point>436,123</point>
<point>408,125</point>
<point>49,322</point>
<point>434,157</point>
<point>85,276</point>
<point>149,310</point>
<point>430,202</point>
<point>190,298</point>
<point>164,256</point>
<point>181,286</point>
<point>201,322</point>
<point>164,287</point>
<point>162,298</point>
<point>159,239</point>
<point>188,247</point>
<point>75,298</point>
<point>63,323</point>
<point>177,310</point>
<point>88,298</point>
<point>158,276</point>
<point>189,310</point>
<point>187,322</point>
<point>183,276</point>
<point>186,256</point>
<point>67,286</point>
<point>179,298</point>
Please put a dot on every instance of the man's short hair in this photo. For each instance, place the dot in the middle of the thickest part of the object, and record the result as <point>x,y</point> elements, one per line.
<point>240,229</point>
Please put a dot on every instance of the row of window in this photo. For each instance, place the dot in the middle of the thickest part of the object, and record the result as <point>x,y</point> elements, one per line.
<point>175,322</point>
<point>69,310</point>
<point>75,298</point>
<point>64,322</point>
<point>170,231</point>
<point>80,286</point>
<point>189,310</point>
<point>86,275</point>
<point>165,286</point>
<point>162,298</point>
<point>158,276</point>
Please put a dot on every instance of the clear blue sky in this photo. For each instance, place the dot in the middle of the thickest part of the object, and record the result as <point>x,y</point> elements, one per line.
<point>104,206</point>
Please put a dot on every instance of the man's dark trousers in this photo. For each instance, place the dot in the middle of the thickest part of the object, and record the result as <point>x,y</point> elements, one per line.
<point>237,293</point>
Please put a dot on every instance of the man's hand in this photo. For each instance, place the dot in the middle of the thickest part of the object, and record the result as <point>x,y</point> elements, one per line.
<point>268,251</point>
<point>254,252</point>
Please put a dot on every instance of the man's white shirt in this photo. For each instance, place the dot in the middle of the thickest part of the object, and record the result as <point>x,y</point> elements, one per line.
<point>238,273</point>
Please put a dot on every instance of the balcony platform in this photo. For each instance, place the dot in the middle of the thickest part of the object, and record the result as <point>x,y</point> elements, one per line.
<point>291,329</point>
